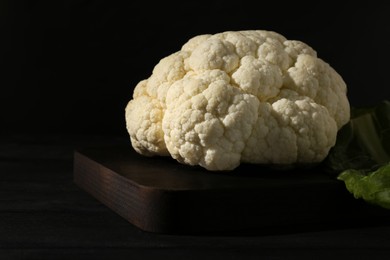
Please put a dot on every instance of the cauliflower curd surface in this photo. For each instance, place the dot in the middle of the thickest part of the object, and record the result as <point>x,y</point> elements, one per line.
<point>239,96</point>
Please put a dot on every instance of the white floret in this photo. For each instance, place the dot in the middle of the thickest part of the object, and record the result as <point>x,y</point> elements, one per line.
<point>233,97</point>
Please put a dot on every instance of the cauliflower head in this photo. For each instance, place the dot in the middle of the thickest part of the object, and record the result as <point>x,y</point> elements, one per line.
<point>239,96</point>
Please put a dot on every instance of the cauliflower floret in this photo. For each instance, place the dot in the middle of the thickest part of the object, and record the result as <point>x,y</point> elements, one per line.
<point>207,120</point>
<point>244,96</point>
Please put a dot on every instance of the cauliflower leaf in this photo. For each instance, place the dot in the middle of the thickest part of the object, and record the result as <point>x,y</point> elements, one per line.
<point>373,187</point>
<point>361,156</point>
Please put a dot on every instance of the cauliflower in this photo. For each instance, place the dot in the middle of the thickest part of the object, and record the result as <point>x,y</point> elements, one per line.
<point>239,97</point>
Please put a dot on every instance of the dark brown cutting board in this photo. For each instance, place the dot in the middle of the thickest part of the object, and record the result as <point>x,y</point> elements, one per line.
<point>157,194</point>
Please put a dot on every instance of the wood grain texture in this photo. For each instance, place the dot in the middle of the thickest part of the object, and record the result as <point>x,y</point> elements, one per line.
<point>44,215</point>
<point>160,195</point>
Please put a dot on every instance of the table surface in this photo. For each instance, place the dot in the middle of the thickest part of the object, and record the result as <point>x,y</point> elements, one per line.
<point>44,215</point>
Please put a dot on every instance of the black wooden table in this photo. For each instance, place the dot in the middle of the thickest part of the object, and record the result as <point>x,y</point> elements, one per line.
<point>44,215</point>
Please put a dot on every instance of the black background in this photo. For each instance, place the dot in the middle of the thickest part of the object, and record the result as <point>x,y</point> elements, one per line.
<point>67,71</point>
<point>71,66</point>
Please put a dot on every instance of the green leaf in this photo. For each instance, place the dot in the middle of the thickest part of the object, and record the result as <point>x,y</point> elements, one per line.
<point>361,156</point>
<point>363,143</point>
<point>373,187</point>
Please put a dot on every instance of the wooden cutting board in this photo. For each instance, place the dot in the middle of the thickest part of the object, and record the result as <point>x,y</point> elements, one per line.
<point>157,194</point>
